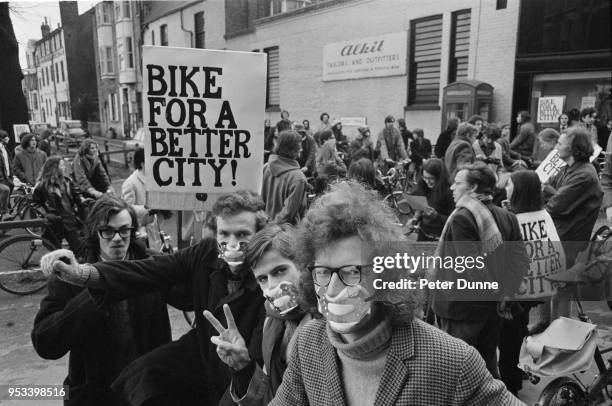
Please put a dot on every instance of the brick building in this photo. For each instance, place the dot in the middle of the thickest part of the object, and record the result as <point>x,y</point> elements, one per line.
<point>434,42</point>
<point>64,64</point>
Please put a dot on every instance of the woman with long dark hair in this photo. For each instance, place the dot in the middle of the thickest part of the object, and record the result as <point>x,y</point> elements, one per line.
<point>62,202</point>
<point>526,200</point>
<point>435,187</point>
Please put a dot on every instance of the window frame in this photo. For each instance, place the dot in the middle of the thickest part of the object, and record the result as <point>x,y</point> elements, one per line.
<point>269,77</point>
<point>452,59</point>
<point>202,32</point>
<point>163,35</point>
<point>413,99</point>
<point>129,52</point>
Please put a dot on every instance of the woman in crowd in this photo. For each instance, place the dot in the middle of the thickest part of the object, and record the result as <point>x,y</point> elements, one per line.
<point>271,256</point>
<point>29,160</point>
<point>62,202</point>
<point>434,186</point>
<point>547,140</point>
<point>523,142</point>
<point>341,140</point>
<point>525,199</point>
<point>420,149</point>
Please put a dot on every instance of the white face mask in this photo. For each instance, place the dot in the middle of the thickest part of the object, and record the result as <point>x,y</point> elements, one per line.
<point>347,309</point>
<point>283,297</point>
<point>234,256</point>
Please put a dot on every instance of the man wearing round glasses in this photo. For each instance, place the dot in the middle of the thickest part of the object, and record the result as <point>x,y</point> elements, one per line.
<point>370,349</point>
<point>187,371</point>
<point>69,320</point>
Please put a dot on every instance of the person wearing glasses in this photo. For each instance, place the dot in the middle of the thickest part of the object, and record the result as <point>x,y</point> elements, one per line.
<point>101,341</point>
<point>370,349</point>
<point>88,171</point>
<point>186,371</point>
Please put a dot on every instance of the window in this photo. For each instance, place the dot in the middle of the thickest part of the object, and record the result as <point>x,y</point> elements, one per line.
<point>129,50</point>
<point>199,29</point>
<point>47,75</point>
<point>112,102</point>
<point>106,60</point>
<point>152,37</point>
<point>57,72</point>
<point>460,46</point>
<point>126,9</point>
<point>59,37</point>
<point>501,4</point>
<point>106,13</point>
<point>62,65</point>
<point>273,85</point>
<point>117,11</point>
<point>425,56</point>
<point>52,74</point>
<point>163,35</point>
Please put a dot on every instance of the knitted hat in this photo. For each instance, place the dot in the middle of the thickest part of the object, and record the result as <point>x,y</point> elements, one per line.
<point>389,119</point>
<point>363,130</point>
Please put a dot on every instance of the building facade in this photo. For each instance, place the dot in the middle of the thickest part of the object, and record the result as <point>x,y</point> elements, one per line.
<point>118,65</point>
<point>327,56</point>
<point>359,60</point>
<point>563,59</point>
<point>53,88</point>
<point>64,65</point>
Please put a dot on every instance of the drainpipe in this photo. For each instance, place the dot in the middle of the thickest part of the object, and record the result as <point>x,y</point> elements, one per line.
<point>190,32</point>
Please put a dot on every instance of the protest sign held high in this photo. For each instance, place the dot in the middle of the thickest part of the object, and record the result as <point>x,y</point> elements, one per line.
<point>202,109</point>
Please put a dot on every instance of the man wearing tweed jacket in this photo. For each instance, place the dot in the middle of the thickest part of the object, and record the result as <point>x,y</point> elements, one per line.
<point>370,349</point>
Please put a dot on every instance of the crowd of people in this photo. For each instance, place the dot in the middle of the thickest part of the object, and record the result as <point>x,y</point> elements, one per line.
<point>285,309</point>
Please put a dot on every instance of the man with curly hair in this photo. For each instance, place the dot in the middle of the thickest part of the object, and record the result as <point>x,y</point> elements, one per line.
<point>186,371</point>
<point>370,349</point>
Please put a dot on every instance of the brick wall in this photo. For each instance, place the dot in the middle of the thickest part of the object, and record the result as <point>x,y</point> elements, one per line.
<point>301,37</point>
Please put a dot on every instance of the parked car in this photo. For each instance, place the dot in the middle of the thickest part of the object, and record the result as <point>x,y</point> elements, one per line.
<point>73,131</point>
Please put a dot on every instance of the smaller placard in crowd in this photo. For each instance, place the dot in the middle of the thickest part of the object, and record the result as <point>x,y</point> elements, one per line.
<point>19,129</point>
<point>550,108</point>
<point>553,164</point>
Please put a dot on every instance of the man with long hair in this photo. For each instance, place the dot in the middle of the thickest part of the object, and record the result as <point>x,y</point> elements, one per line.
<point>187,371</point>
<point>101,340</point>
<point>370,349</point>
<point>284,184</point>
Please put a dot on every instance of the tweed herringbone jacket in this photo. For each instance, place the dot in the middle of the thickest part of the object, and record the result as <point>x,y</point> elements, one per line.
<point>424,367</point>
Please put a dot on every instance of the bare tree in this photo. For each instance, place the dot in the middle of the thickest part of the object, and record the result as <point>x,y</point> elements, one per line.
<point>13,107</point>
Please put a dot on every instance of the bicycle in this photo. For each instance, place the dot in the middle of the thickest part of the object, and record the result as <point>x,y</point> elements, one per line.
<point>570,391</point>
<point>22,207</point>
<point>394,198</point>
<point>20,255</point>
<point>167,249</point>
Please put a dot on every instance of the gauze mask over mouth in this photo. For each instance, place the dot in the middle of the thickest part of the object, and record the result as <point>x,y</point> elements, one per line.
<point>283,297</point>
<point>344,311</point>
<point>234,256</point>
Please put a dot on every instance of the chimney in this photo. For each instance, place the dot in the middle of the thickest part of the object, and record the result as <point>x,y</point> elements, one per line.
<point>45,29</point>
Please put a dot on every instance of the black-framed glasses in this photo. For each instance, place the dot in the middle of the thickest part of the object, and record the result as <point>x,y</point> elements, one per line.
<point>109,233</point>
<point>350,275</point>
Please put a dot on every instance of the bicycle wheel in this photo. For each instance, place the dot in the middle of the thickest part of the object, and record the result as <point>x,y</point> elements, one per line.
<point>20,271</point>
<point>31,213</point>
<point>563,392</point>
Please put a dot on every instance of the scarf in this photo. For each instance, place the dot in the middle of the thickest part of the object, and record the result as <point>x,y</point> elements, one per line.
<point>278,332</point>
<point>488,232</point>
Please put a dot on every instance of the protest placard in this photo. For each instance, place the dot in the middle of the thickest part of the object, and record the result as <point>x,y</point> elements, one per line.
<point>19,129</point>
<point>202,109</point>
<point>553,163</point>
<point>550,108</point>
<point>545,252</point>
